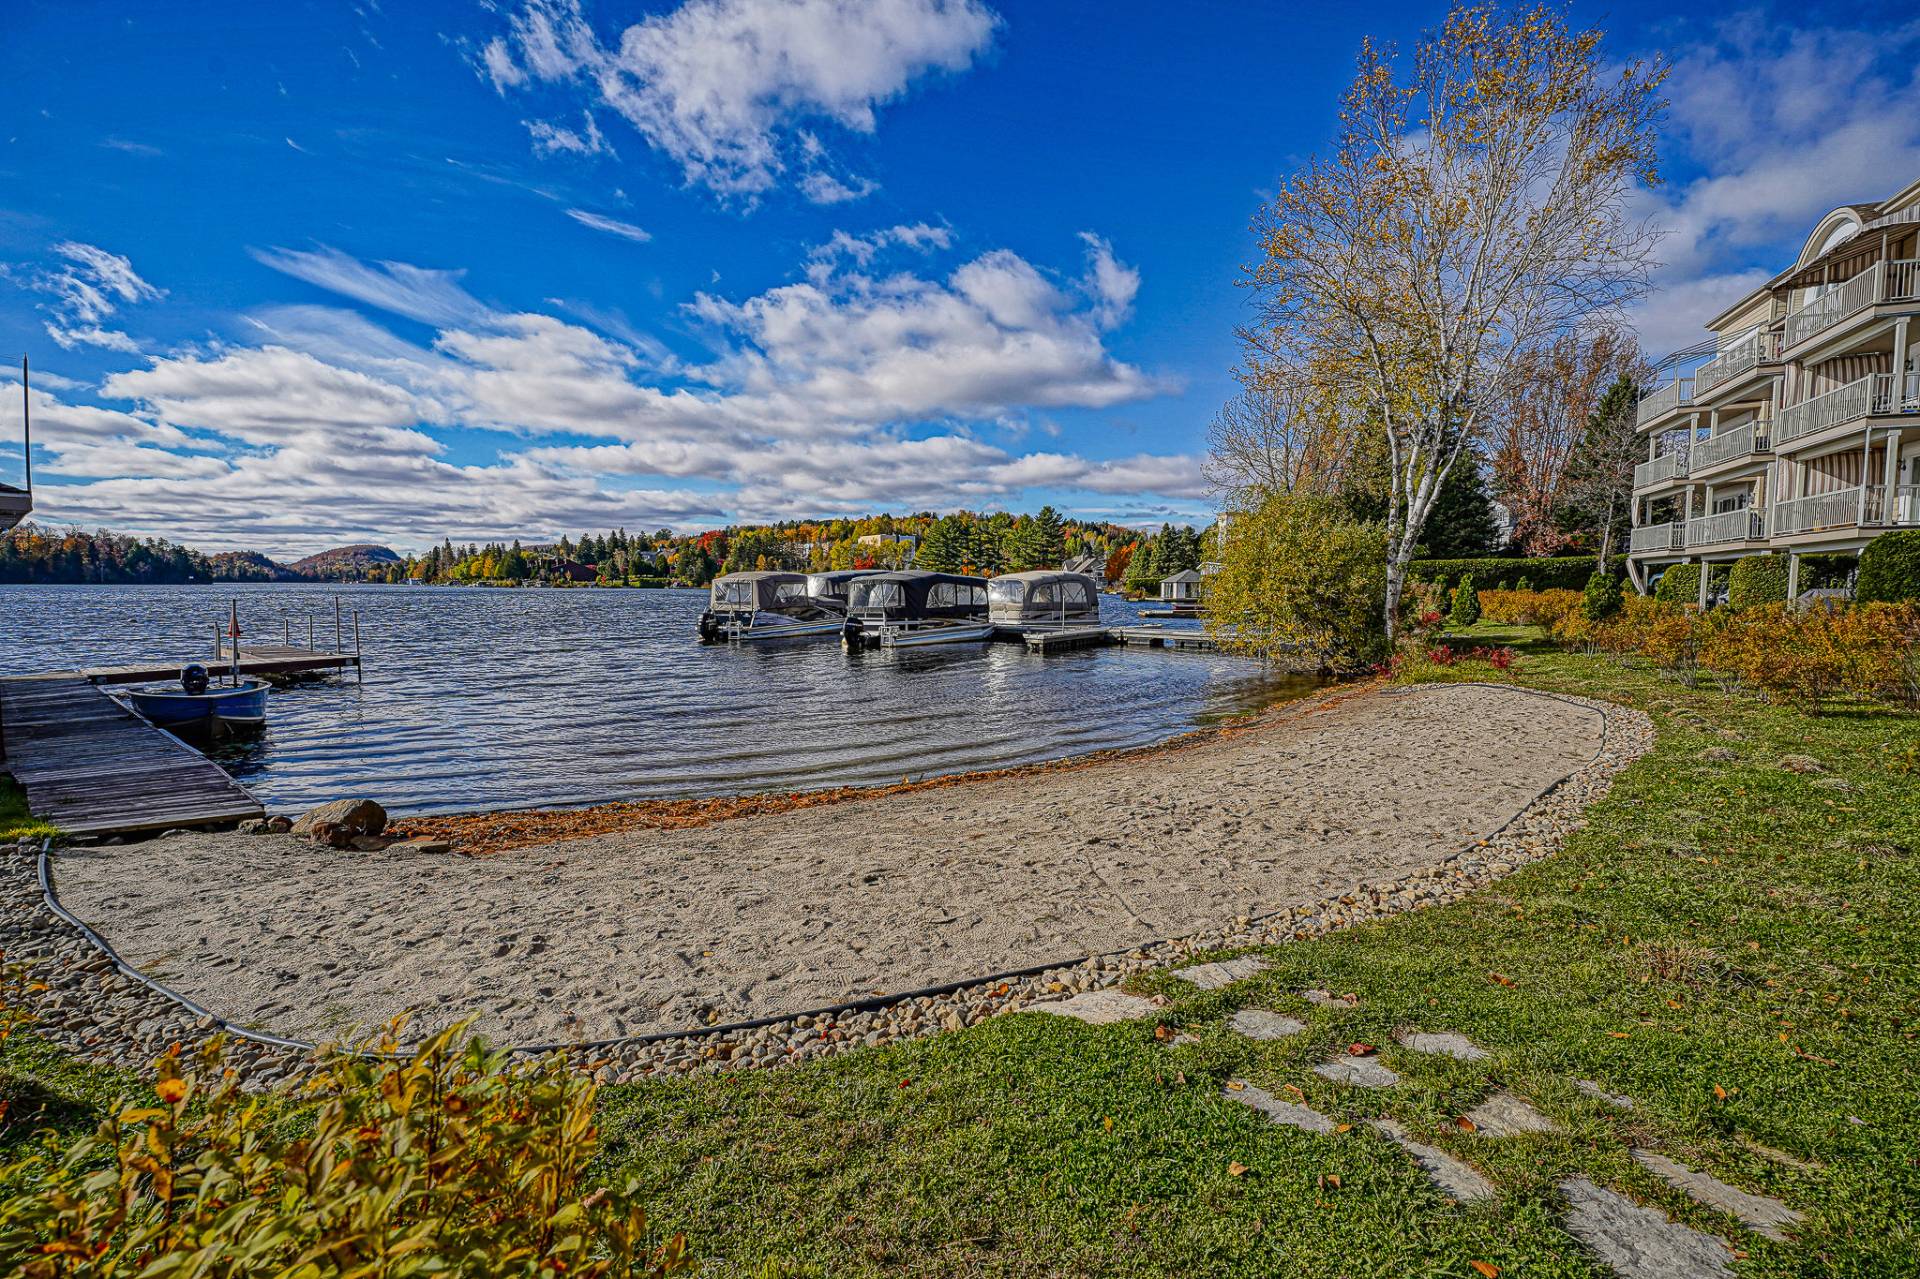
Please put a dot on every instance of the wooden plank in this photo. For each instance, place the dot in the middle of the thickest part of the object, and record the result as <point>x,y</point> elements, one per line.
<point>90,766</point>
<point>255,659</point>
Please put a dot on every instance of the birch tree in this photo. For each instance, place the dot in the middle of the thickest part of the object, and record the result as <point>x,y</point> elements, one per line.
<point>1471,211</point>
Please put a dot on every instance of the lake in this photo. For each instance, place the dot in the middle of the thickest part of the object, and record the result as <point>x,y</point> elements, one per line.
<point>480,698</point>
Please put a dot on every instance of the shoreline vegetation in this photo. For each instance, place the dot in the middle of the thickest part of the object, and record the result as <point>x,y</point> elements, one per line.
<point>1723,944</point>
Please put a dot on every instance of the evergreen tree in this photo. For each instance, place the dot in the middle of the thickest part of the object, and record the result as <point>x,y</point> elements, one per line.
<point>945,547</point>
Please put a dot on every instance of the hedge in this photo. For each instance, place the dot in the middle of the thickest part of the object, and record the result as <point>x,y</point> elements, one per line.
<point>1757,579</point>
<point>1558,573</point>
<point>1681,583</point>
<point>1890,568</point>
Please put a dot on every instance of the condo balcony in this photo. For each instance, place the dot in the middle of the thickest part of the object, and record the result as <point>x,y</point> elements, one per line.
<point>1878,394</point>
<point>1656,471</point>
<point>1862,506</point>
<point>1676,394</point>
<point>1896,281</point>
<point>1744,525</point>
<point>1743,356</point>
<point>1657,539</point>
<point>1740,444</point>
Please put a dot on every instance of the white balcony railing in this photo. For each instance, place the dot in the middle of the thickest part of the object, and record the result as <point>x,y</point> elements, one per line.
<point>1748,353</point>
<point>1888,507</point>
<point>1745,525</point>
<point>1832,408</point>
<point>1739,443</point>
<point>1889,400</point>
<point>1660,469</point>
<point>1896,281</point>
<point>1652,539</point>
<point>1813,514</point>
<point>1675,394</point>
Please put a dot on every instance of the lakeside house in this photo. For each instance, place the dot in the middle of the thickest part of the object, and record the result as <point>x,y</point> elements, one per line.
<point>1797,428</point>
<point>1182,588</point>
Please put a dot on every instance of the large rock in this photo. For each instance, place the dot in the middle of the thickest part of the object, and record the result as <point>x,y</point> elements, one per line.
<point>343,817</point>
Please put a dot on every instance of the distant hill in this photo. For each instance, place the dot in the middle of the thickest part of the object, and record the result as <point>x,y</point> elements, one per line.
<point>245,566</point>
<point>344,561</point>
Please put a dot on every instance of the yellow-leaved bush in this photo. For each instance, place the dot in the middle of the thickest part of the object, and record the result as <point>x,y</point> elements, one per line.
<point>445,1160</point>
<point>1528,608</point>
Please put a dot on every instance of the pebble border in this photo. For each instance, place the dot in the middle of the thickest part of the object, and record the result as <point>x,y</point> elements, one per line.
<point>92,1009</point>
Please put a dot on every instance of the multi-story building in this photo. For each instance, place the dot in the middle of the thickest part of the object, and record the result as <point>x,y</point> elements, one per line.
<point>1799,431</point>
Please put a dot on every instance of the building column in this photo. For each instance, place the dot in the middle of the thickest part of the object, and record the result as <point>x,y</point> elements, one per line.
<point>1866,475</point>
<point>1704,569</point>
<point>1793,576</point>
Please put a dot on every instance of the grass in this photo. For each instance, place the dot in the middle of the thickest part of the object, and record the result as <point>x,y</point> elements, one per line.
<point>16,822</point>
<point>1729,943</point>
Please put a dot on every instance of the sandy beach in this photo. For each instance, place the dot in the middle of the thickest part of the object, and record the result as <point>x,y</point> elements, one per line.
<point>651,930</point>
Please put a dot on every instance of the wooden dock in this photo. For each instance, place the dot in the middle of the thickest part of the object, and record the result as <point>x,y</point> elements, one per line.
<point>1165,637</point>
<point>1040,640</point>
<point>255,659</point>
<point>90,766</point>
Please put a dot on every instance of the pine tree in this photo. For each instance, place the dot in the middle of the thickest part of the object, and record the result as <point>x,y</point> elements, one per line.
<point>945,547</point>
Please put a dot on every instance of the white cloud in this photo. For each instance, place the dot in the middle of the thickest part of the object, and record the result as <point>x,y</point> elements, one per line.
<point>88,287</point>
<point>824,188</point>
<point>612,226</point>
<point>1782,124</point>
<point>721,86</point>
<point>553,139</point>
<point>419,293</point>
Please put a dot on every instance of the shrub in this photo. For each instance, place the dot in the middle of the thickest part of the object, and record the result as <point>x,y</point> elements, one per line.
<point>1466,604</point>
<point>1543,573</point>
<point>448,1161</point>
<point>1757,579</point>
<point>1299,576</point>
<point>1680,584</point>
<point>1601,599</point>
<point>1813,656</point>
<point>1890,568</point>
<point>1527,608</point>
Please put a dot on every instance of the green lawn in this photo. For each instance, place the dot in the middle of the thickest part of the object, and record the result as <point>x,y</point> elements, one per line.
<point>1730,943</point>
<point>16,822</point>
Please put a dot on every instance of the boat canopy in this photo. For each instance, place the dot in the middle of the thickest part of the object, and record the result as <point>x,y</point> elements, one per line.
<point>759,590</point>
<point>918,595</point>
<point>15,505</point>
<point>1043,597</point>
<point>834,585</point>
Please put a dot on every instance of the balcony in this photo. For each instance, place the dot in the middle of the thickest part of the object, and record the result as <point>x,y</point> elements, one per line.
<point>1674,395</point>
<point>1880,394</point>
<point>1897,281</point>
<point>1743,356</point>
<point>1744,525</point>
<point>1892,507</point>
<point>1869,506</point>
<point>1668,466</point>
<point>1739,444</point>
<point>1657,539</point>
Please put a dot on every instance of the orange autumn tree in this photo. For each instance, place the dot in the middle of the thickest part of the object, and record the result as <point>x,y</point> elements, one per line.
<point>1537,422</point>
<point>1473,210</point>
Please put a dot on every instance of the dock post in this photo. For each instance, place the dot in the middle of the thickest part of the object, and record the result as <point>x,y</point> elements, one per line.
<point>339,645</point>
<point>286,631</point>
<point>359,667</point>
<point>309,632</point>
<point>218,651</point>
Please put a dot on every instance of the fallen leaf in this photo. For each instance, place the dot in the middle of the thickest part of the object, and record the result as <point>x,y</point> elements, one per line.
<point>1500,979</point>
<point>1234,1085</point>
<point>1359,1050</point>
<point>1486,1268</point>
<point>1619,1034</point>
<point>1719,1092</point>
<point>1236,1170</point>
<point>1163,1032</point>
<point>1107,1123</point>
<point>1343,1127</point>
<point>906,1083</point>
<point>1465,1124</point>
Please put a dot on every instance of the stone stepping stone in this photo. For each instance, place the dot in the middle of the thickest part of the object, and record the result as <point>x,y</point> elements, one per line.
<point>1760,1213</point>
<point>1223,973</point>
<point>1327,999</point>
<point>1258,1023</point>
<point>1595,1091</point>
<point>1364,1072</point>
<point>1456,1178</point>
<point>1446,1044</point>
<point>1293,1115</point>
<point>1505,1115</point>
<point>1101,1007</point>
<point>1639,1243</point>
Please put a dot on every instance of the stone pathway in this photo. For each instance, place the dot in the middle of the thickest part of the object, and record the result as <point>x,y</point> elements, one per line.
<point>1327,999</point>
<point>1505,1115</point>
<point>1223,973</point>
<point>1258,1023</point>
<point>1447,1044</point>
<point>1290,1113</point>
<point>1595,1091</point>
<point>1759,1213</point>
<point>1363,1072</point>
<point>1456,1178</point>
<point>1639,1242</point>
<point>1101,1007</point>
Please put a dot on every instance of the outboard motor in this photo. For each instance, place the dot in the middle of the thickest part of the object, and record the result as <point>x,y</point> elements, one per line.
<point>850,636</point>
<point>709,627</point>
<point>193,678</point>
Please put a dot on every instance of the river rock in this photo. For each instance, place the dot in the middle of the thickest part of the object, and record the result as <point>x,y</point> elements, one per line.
<point>352,816</point>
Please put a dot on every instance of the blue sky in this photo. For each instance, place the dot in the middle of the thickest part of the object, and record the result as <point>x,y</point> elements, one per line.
<point>298,274</point>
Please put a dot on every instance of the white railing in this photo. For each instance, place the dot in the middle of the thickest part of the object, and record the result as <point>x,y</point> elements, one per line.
<point>1835,305</point>
<point>1745,525</point>
<point>1812,514</point>
<point>1898,505</point>
<point>1748,353</point>
<point>1740,442</point>
<point>1675,394</point>
<point>1888,403</point>
<point>1654,538</point>
<point>1660,469</point>
<point>1903,280</point>
<point>1842,404</point>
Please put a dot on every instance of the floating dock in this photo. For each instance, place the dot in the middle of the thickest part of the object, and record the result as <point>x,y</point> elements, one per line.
<point>90,766</point>
<point>1058,640</point>
<point>255,659</point>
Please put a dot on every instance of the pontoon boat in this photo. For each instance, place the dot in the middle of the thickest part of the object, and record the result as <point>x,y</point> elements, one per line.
<point>748,607</point>
<point>910,610</point>
<point>1043,601</point>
